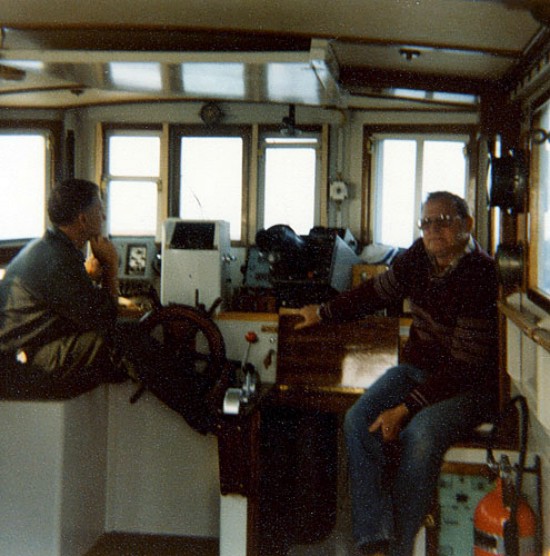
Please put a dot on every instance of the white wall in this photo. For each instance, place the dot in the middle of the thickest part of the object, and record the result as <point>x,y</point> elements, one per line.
<point>84,489</point>
<point>162,475</point>
<point>52,475</point>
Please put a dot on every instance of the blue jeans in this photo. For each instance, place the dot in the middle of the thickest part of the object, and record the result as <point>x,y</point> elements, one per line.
<point>392,484</point>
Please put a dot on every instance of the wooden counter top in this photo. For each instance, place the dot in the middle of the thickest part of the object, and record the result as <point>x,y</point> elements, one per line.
<point>329,365</point>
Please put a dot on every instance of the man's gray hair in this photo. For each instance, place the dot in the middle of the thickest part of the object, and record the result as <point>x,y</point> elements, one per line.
<point>461,206</point>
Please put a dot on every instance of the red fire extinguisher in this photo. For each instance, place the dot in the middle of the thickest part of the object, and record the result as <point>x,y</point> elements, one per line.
<point>504,523</point>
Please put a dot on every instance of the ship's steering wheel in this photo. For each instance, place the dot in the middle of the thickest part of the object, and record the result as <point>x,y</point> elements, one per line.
<point>194,340</point>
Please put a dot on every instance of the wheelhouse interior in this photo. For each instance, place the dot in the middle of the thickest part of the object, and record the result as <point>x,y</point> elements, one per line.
<point>221,120</point>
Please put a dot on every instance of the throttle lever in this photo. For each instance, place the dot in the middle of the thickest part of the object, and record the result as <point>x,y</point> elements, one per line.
<point>235,396</point>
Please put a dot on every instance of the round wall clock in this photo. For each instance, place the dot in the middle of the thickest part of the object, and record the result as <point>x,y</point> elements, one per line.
<point>211,114</point>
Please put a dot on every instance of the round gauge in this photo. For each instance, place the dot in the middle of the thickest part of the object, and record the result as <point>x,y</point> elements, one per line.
<point>211,114</point>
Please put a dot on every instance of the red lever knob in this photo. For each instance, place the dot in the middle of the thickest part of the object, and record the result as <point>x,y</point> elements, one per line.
<point>251,337</point>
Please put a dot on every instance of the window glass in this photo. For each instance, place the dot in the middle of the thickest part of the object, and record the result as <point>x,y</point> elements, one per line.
<point>395,216</point>
<point>134,155</point>
<point>406,169</point>
<point>444,167</point>
<point>543,210</point>
<point>133,175</point>
<point>290,175</point>
<point>211,180</point>
<point>132,207</point>
<point>23,171</point>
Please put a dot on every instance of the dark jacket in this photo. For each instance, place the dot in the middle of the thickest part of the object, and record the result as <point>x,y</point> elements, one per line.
<point>46,294</point>
<point>454,332</point>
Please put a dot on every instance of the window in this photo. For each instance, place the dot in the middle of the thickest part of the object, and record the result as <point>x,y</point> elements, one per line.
<point>209,170</point>
<point>209,177</point>
<point>539,254</point>
<point>406,168</point>
<point>290,177</point>
<point>132,182</point>
<point>24,180</point>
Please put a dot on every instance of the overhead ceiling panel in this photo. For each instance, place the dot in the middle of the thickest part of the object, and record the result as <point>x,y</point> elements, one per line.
<point>284,77</point>
<point>289,51</point>
<point>459,22</point>
<point>423,60</point>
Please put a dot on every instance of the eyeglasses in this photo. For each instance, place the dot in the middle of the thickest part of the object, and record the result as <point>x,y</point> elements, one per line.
<point>439,221</point>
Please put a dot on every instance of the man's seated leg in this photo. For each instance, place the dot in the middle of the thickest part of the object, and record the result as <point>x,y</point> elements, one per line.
<point>372,461</point>
<point>69,366</point>
<point>424,441</point>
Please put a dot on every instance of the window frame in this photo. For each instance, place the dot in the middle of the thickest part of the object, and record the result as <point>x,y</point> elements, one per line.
<point>176,132</point>
<point>368,193</point>
<point>59,164</point>
<point>134,130</point>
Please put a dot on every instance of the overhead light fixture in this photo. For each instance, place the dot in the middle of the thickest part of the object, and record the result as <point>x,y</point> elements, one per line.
<point>409,54</point>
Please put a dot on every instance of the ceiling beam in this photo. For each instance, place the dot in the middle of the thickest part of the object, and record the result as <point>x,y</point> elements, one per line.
<point>193,39</point>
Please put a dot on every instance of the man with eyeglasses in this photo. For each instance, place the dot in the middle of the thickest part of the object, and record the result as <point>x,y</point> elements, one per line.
<point>445,385</point>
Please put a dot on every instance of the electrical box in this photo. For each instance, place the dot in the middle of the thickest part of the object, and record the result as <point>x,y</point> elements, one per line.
<point>195,265</point>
